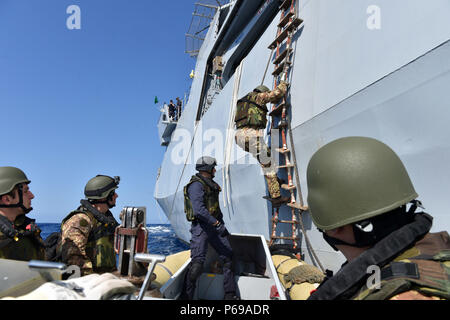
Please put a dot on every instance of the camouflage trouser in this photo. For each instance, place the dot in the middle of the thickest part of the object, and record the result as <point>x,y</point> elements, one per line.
<point>252,140</point>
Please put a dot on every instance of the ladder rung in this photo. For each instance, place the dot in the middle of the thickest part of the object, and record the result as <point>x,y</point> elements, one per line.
<point>282,56</point>
<point>283,150</point>
<point>285,19</point>
<point>297,206</point>
<point>280,68</point>
<point>289,165</point>
<point>277,111</point>
<point>286,4</point>
<point>282,125</point>
<point>285,238</point>
<point>288,187</point>
<point>279,39</point>
<point>283,35</point>
<point>295,23</point>
<point>286,221</point>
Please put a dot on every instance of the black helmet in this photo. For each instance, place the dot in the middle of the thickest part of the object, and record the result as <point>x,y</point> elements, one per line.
<point>205,163</point>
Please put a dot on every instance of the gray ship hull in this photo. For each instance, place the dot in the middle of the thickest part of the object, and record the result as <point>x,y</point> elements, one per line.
<point>390,82</point>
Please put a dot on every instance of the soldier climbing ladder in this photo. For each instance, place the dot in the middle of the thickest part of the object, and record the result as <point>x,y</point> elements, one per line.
<point>288,24</point>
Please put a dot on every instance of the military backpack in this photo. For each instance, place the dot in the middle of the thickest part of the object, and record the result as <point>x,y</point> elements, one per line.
<point>249,113</point>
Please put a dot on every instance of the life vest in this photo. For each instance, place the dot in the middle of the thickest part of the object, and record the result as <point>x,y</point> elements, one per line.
<point>249,113</point>
<point>100,242</point>
<point>211,198</point>
<point>21,240</point>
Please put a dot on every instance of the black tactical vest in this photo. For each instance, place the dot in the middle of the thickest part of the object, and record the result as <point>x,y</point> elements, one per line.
<point>211,198</point>
<point>21,240</point>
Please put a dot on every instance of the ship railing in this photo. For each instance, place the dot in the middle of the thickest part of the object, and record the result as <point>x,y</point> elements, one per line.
<point>202,16</point>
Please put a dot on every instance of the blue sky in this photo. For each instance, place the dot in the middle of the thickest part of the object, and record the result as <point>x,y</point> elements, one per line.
<point>77,103</point>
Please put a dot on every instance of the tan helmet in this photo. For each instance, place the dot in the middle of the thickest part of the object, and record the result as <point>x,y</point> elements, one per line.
<point>355,178</point>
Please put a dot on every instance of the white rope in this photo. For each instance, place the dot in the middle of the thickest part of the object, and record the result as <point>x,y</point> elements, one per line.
<point>230,136</point>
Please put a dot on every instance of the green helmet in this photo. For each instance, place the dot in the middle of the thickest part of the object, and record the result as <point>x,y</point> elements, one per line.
<point>355,178</point>
<point>10,177</point>
<point>261,88</point>
<point>100,187</point>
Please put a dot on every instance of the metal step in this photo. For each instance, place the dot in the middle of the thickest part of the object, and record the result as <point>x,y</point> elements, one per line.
<point>289,165</point>
<point>286,4</point>
<point>283,35</point>
<point>283,150</point>
<point>280,68</point>
<point>284,238</point>
<point>277,111</point>
<point>282,56</point>
<point>288,187</point>
<point>285,19</point>
<point>296,205</point>
<point>285,221</point>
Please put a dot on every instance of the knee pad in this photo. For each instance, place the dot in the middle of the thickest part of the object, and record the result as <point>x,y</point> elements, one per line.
<point>195,271</point>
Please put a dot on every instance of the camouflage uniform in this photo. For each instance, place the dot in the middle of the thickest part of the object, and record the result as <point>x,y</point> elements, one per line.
<point>421,272</point>
<point>87,242</point>
<point>21,240</point>
<point>250,125</point>
<point>431,281</point>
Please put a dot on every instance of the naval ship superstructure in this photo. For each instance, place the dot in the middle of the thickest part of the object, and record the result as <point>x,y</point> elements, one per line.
<point>375,68</point>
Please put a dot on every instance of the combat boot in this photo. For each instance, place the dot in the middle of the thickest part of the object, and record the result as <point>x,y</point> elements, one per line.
<point>276,202</point>
<point>231,296</point>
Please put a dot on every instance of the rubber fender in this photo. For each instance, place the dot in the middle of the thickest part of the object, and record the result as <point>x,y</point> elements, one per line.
<point>302,291</point>
<point>165,270</point>
<point>283,265</point>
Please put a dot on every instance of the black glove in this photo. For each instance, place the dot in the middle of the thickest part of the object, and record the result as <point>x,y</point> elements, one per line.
<point>221,230</point>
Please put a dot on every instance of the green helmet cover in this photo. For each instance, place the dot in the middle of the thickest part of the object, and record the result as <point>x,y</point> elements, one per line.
<point>100,186</point>
<point>261,88</point>
<point>355,178</point>
<point>10,177</point>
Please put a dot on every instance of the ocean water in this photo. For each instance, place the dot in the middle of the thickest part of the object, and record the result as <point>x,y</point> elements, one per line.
<point>161,238</point>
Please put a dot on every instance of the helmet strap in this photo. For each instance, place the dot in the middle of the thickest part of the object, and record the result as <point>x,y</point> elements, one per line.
<point>107,200</point>
<point>382,226</point>
<point>20,203</point>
